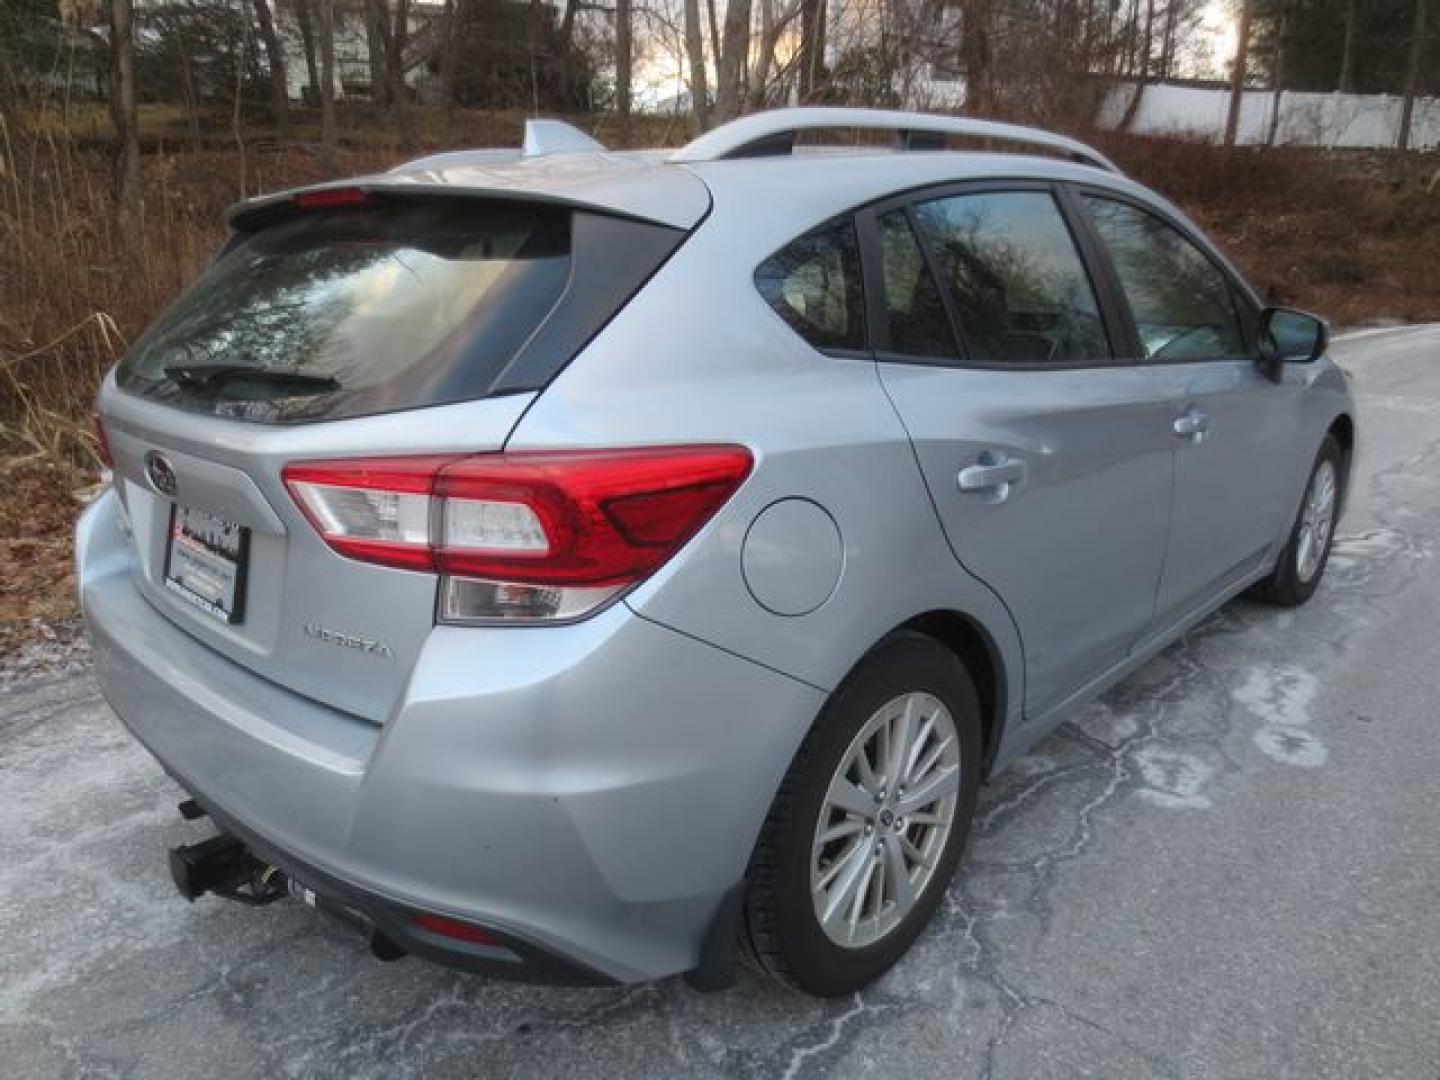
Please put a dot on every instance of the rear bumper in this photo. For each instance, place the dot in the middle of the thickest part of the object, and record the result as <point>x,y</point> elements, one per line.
<point>591,793</point>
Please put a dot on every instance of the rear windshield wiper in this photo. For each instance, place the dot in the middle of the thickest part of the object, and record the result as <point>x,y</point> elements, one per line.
<point>213,377</point>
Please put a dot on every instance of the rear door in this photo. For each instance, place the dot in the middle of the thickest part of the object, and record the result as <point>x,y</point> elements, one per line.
<point>1233,428</point>
<point>1049,461</point>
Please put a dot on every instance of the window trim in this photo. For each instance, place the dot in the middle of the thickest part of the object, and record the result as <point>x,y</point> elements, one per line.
<point>1244,302</point>
<point>1113,318</point>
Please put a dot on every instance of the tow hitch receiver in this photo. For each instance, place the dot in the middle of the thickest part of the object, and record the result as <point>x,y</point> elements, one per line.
<point>226,867</point>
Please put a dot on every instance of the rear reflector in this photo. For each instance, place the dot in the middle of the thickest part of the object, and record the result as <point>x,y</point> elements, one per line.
<point>531,535</point>
<point>454,928</point>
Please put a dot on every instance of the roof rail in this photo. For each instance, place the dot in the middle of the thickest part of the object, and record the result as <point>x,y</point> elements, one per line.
<point>770,133</point>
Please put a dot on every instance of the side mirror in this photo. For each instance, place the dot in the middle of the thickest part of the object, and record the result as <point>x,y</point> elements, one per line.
<point>1291,336</point>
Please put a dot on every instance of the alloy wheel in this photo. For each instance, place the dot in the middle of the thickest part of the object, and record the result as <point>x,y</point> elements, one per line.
<point>887,813</point>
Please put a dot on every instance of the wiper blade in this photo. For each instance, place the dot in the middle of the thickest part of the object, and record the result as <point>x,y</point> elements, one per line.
<point>212,377</point>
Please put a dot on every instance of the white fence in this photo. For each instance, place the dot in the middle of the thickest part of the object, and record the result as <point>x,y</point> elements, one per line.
<point>1329,120</point>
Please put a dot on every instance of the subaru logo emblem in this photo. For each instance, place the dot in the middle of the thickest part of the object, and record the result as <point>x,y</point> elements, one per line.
<point>159,473</point>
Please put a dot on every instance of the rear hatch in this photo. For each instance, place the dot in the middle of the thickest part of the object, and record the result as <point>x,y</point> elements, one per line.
<point>363,324</point>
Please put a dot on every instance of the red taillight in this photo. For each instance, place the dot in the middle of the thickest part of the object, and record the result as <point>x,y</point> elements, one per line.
<point>327,197</point>
<point>102,442</point>
<point>571,527</point>
<point>454,928</point>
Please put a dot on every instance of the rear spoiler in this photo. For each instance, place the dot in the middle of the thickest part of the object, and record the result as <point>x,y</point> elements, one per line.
<point>558,165</point>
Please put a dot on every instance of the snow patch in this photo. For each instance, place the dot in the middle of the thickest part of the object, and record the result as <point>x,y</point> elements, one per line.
<point>1172,779</point>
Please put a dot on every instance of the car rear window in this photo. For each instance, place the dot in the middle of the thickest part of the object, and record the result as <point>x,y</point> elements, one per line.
<point>373,309</point>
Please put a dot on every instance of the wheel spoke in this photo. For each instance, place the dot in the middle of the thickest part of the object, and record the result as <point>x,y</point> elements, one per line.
<point>917,747</point>
<point>868,780</point>
<point>932,758</point>
<point>835,868</point>
<point>917,856</point>
<point>857,906</point>
<point>850,798</point>
<point>897,744</point>
<point>855,864</point>
<point>897,874</point>
<point>934,787</point>
<point>849,827</point>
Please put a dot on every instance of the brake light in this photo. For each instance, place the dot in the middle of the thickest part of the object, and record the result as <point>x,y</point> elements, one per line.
<point>520,536</point>
<point>327,197</point>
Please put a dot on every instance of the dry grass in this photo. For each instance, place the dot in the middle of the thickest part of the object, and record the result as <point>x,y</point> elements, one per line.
<point>1353,236</point>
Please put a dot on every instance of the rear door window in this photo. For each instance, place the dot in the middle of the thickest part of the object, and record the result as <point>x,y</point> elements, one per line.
<point>1017,281</point>
<point>1182,303</point>
<point>813,283</point>
<point>358,310</point>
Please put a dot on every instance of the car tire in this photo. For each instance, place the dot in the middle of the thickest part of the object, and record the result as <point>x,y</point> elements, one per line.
<point>1301,564</point>
<point>909,679</point>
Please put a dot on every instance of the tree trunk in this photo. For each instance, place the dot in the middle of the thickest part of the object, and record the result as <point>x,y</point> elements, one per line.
<point>695,48</point>
<point>730,72</point>
<point>279,88</point>
<point>765,55</point>
<point>623,60</point>
<point>715,48</point>
<point>975,56</point>
<point>1347,57</point>
<point>304,19</point>
<point>1237,75</point>
<point>1277,75</point>
<point>377,34</point>
<point>399,95</point>
<point>450,45</point>
<point>125,116</point>
<point>327,81</point>
<point>811,59</point>
<point>1412,76</point>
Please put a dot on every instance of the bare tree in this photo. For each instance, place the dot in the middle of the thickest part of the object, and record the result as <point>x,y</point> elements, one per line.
<point>1347,56</point>
<point>730,70</point>
<point>975,55</point>
<point>304,19</point>
<point>1412,76</point>
<point>125,115</point>
<point>377,33</point>
<point>1132,108</point>
<point>327,80</point>
<point>1277,73</point>
<point>695,53</point>
<point>623,60</point>
<point>275,56</point>
<point>810,60</point>
<point>1237,74</point>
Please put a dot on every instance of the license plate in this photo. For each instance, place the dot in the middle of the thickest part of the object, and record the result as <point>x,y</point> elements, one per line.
<point>205,562</point>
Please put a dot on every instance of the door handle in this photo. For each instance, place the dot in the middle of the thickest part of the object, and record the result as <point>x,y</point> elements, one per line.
<point>1191,424</point>
<point>993,472</point>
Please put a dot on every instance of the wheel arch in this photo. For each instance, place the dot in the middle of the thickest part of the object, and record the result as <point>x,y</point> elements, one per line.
<point>976,649</point>
<point>1343,430</point>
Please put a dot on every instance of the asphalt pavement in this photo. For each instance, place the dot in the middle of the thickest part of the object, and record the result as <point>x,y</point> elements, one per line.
<point>1227,867</point>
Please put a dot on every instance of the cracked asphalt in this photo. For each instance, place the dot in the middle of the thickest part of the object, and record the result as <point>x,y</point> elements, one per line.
<point>1227,867</point>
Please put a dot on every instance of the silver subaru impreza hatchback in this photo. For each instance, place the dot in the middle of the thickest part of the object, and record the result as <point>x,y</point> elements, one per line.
<point>592,566</point>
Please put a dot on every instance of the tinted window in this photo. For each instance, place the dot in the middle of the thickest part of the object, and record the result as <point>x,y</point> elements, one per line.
<point>1181,301</point>
<point>1017,280</point>
<point>364,309</point>
<point>913,308</point>
<point>813,283</point>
